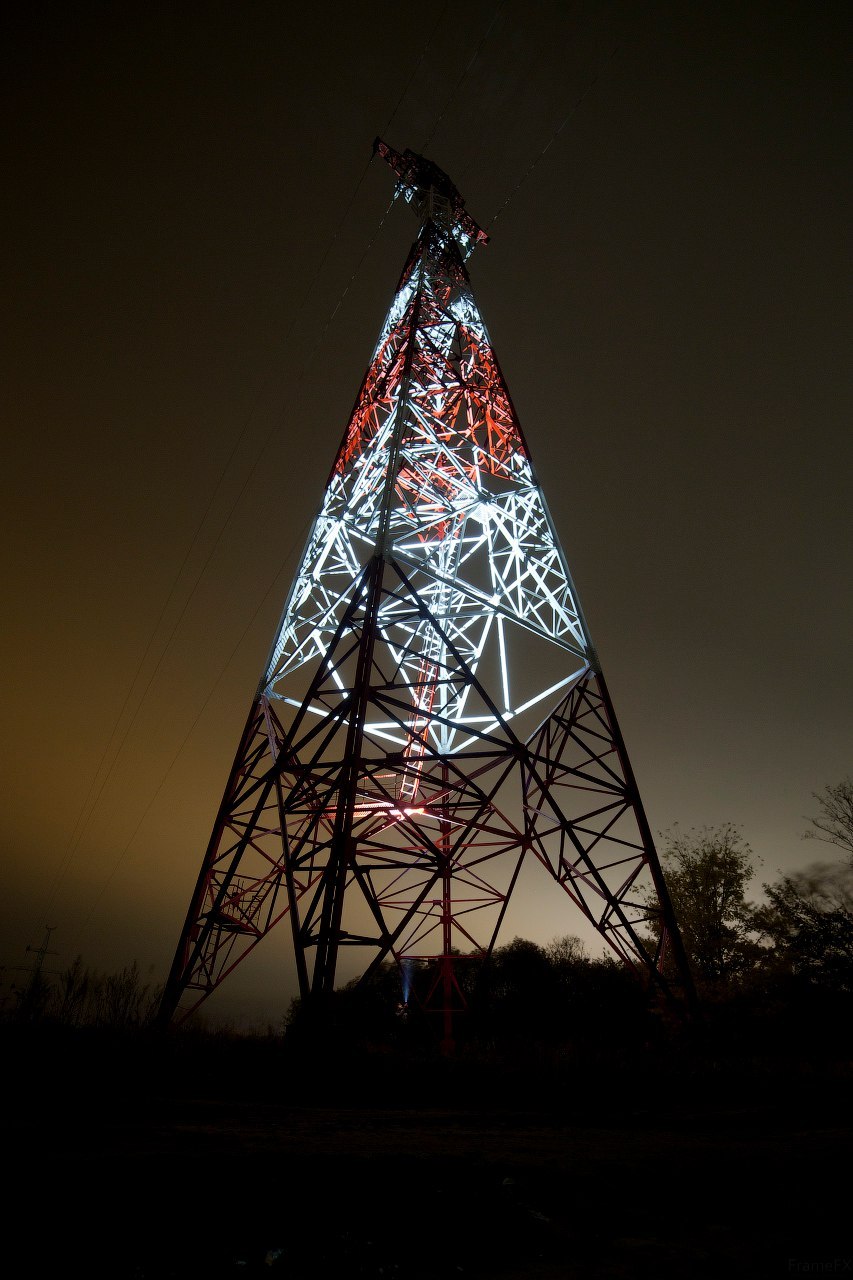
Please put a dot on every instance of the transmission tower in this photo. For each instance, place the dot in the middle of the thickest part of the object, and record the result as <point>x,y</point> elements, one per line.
<point>432,713</point>
<point>35,988</point>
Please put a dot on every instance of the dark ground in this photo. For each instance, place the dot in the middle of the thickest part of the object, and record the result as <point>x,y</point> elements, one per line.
<point>212,1160</point>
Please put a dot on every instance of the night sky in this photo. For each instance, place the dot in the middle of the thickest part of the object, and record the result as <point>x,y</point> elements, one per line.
<point>198,258</point>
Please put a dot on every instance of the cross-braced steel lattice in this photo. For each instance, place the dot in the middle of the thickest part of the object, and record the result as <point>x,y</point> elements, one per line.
<point>433,711</point>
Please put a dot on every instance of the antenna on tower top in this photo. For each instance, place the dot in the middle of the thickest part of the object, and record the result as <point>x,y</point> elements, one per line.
<point>432,194</point>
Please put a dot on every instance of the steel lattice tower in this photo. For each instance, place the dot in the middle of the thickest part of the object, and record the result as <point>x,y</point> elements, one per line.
<point>433,711</point>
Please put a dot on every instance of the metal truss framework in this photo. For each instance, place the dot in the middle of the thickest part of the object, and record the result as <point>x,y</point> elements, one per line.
<point>433,711</point>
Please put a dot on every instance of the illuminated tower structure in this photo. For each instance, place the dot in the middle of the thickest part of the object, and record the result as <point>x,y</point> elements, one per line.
<point>433,712</point>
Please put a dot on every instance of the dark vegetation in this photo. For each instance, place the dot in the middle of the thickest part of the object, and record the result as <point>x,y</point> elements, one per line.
<point>581,1128</point>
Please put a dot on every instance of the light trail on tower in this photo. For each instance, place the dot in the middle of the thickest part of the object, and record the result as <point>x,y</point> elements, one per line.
<point>432,712</point>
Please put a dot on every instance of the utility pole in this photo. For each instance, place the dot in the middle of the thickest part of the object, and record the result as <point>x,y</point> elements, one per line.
<point>35,970</point>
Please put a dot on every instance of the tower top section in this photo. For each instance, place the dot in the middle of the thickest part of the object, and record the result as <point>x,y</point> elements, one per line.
<point>433,196</point>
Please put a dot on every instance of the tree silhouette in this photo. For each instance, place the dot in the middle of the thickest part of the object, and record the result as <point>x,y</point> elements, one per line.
<point>834,823</point>
<point>707,872</point>
<point>809,920</point>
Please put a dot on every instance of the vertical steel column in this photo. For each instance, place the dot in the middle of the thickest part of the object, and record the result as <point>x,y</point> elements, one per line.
<point>328,938</point>
<point>448,1044</point>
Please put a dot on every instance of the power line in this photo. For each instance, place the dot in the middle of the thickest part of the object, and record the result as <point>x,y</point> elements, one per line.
<point>93,796</point>
<point>299,538</point>
<point>245,632</point>
<point>464,76</point>
<point>522,66</point>
<point>554,136</point>
<point>245,485</point>
<point>41,952</point>
<point>347,288</point>
<point>418,65</point>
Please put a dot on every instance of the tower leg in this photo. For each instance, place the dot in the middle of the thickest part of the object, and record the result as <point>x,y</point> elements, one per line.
<point>672,946</point>
<point>448,1044</point>
<point>590,830</point>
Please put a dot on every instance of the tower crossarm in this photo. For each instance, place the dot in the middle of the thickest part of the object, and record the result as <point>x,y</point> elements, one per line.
<point>432,194</point>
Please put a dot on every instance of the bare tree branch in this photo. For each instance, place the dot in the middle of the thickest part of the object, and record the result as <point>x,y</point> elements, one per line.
<point>834,823</point>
